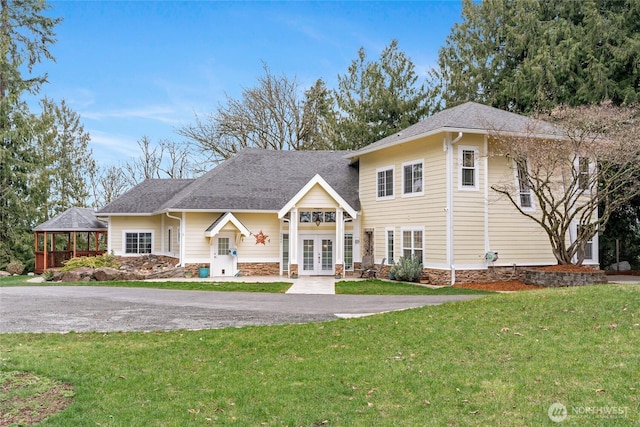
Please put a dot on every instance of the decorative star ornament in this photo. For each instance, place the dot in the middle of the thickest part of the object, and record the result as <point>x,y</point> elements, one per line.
<point>261,238</point>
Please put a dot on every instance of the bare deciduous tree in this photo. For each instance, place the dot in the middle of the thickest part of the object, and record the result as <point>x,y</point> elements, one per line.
<point>578,180</point>
<point>272,115</point>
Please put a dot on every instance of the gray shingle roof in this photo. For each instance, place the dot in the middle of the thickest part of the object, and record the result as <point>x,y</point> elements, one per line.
<point>73,219</point>
<point>471,117</point>
<point>146,197</point>
<point>252,180</point>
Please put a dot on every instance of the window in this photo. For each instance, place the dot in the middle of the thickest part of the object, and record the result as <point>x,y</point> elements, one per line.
<point>348,251</point>
<point>138,243</point>
<point>583,173</point>
<point>467,157</point>
<point>329,217</point>
<point>412,244</point>
<point>412,178</point>
<point>169,238</point>
<point>385,183</point>
<point>524,192</point>
<point>223,246</point>
<point>285,251</point>
<point>390,246</point>
<point>587,248</point>
<point>305,216</point>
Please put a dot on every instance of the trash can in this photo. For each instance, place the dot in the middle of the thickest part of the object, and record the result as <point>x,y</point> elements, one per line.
<point>203,272</point>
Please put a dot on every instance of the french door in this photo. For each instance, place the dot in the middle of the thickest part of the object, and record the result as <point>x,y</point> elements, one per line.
<point>318,255</point>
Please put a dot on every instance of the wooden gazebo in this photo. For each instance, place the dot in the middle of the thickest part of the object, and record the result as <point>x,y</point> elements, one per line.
<point>74,233</point>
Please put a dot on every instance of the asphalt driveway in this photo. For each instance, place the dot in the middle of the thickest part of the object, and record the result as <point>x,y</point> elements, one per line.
<point>84,309</point>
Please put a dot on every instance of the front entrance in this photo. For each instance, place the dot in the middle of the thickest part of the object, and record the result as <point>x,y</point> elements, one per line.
<point>224,262</point>
<point>317,255</point>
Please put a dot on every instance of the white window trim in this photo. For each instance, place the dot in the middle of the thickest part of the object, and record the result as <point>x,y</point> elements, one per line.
<point>476,168</point>
<point>516,179</point>
<point>124,242</point>
<point>595,245</point>
<point>386,244</point>
<point>412,228</point>
<point>586,191</point>
<point>393,187</point>
<point>417,193</point>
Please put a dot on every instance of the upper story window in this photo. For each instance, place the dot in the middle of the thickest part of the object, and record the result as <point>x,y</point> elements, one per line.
<point>583,173</point>
<point>385,182</point>
<point>412,178</point>
<point>468,173</point>
<point>137,243</point>
<point>524,191</point>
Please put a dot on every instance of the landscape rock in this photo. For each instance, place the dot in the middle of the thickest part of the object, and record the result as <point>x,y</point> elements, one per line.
<point>107,274</point>
<point>4,274</point>
<point>621,266</point>
<point>79,274</point>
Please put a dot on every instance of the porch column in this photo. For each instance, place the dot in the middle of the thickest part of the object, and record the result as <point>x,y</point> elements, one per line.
<point>339,241</point>
<point>293,241</point>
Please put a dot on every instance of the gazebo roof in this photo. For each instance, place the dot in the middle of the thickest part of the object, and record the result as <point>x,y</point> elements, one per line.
<point>74,219</point>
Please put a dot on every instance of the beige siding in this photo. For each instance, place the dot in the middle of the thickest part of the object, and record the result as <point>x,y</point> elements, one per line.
<point>119,225</point>
<point>427,210</point>
<point>517,239</point>
<point>468,205</point>
<point>317,197</point>
<point>269,224</point>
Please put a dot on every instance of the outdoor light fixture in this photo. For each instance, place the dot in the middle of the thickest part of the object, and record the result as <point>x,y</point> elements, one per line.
<point>318,222</point>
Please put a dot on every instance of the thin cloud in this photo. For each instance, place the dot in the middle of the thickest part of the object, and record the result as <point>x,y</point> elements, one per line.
<point>164,114</point>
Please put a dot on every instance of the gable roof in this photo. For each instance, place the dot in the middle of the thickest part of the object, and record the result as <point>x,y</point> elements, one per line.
<point>73,219</point>
<point>252,180</point>
<point>317,180</point>
<point>146,197</point>
<point>468,117</point>
<point>222,221</point>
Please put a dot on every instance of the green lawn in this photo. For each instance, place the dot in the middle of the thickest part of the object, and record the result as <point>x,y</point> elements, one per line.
<point>363,287</point>
<point>501,360</point>
<point>382,287</point>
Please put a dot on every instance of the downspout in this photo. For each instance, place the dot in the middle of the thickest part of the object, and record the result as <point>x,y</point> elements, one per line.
<point>449,170</point>
<point>180,263</point>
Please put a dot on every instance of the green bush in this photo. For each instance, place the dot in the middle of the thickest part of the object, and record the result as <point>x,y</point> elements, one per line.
<point>48,275</point>
<point>15,267</point>
<point>407,269</point>
<point>105,260</point>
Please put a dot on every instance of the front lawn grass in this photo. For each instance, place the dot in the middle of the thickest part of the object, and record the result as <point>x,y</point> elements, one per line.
<point>382,287</point>
<point>501,360</point>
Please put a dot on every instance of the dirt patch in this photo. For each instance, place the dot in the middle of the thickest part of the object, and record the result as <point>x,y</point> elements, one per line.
<point>26,399</point>
<point>511,285</point>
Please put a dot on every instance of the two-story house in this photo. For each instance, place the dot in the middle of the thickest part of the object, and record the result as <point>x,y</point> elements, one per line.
<point>424,191</point>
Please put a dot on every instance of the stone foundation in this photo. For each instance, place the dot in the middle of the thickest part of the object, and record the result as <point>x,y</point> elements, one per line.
<point>554,279</point>
<point>339,270</point>
<point>490,274</point>
<point>259,268</point>
<point>293,270</point>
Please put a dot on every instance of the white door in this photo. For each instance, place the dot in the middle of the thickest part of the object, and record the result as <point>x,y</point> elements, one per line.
<point>318,255</point>
<point>224,263</point>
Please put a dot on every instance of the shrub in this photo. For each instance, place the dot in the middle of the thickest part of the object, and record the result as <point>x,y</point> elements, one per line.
<point>105,260</point>
<point>407,269</point>
<point>15,267</point>
<point>48,275</point>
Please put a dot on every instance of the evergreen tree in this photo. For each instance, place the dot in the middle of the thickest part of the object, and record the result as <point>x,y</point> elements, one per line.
<point>530,55</point>
<point>376,99</point>
<point>25,36</point>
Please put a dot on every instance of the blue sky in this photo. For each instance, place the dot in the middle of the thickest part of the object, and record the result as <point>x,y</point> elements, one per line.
<point>140,68</point>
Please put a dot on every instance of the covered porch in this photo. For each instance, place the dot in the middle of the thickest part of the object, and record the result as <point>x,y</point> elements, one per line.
<point>74,233</point>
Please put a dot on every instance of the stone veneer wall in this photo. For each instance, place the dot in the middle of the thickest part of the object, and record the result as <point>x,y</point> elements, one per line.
<point>490,274</point>
<point>554,279</point>
<point>259,268</point>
